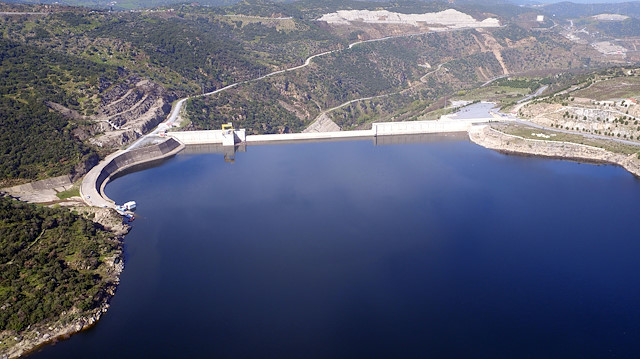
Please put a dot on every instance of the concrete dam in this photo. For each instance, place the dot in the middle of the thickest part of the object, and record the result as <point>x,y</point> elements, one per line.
<point>92,188</point>
<point>226,137</point>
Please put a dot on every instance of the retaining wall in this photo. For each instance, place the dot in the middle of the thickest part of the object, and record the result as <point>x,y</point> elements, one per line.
<point>134,157</point>
<point>48,183</point>
<point>92,188</point>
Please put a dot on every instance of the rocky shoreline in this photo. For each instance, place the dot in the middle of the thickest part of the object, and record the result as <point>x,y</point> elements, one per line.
<point>74,321</point>
<point>491,138</point>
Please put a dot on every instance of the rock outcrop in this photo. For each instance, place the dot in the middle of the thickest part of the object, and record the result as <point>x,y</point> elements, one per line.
<point>322,124</point>
<point>493,139</point>
<point>127,110</point>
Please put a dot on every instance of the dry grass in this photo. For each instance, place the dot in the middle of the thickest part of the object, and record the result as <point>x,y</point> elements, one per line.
<point>622,87</point>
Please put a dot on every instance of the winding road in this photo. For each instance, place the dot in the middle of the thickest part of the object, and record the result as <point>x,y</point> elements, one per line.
<point>153,137</point>
<point>422,79</point>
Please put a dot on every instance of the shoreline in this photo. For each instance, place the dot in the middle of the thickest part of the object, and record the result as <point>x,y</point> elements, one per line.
<point>482,135</point>
<point>74,321</point>
<point>37,340</point>
<point>493,139</point>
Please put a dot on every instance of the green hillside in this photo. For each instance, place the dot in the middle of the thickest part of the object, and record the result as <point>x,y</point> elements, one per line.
<point>51,262</point>
<point>75,59</point>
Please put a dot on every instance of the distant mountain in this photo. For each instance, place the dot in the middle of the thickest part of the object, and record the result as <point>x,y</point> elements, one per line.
<point>573,10</point>
<point>124,4</point>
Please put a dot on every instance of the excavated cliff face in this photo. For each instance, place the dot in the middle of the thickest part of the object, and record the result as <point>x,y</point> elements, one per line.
<point>128,110</point>
<point>488,137</point>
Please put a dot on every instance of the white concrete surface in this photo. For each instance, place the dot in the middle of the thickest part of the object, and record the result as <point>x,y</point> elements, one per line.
<point>206,136</point>
<point>377,129</point>
<point>417,127</point>
<point>308,136</point>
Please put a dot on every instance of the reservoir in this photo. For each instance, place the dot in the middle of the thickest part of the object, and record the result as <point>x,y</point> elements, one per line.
<point>434,248</point>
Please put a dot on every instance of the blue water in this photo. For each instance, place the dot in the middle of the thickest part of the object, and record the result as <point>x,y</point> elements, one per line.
<point>440,249</point>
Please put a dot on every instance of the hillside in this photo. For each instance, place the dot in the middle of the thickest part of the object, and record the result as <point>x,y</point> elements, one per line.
<point>603,104</point>
<point>80,83</point>
<point>123,69</point>
<point>400,72</point>
<point>57,272</point>
<point>574,10</point>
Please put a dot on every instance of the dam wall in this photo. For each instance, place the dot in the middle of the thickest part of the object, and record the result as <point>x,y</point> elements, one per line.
<point>419,127</point>
<point>208,136</point>
<point>308,136</point>
<point>92,188</point>
<point>377,129</point>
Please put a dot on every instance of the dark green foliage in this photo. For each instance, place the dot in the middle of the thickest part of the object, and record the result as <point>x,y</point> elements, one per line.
<point>523,83</point>
<point>257,116</point>
<point>200,50</point>
<point>48,262</point>
<point>512,32</point>
<point>465,69</point>
<point>33,71</point>
<point>35,141</point>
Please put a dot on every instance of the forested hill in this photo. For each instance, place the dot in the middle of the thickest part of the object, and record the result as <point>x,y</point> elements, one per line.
<point>55,267</point>
<point>75,81</point>
<point>35,141</point>
<point>63,70</point>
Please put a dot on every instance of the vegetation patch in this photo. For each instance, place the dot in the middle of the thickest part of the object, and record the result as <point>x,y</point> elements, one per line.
<point>53,265</point>
<point>74,191</point>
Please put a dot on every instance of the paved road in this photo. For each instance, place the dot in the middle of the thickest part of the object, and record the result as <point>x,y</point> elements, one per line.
<point>88,190</point>
<point>515,119</point>
<point>535,94</point>
<point>587,135</point>
<point>422,79</point>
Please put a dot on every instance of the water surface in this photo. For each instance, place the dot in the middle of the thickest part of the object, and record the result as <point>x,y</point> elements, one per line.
<point>438,249</point>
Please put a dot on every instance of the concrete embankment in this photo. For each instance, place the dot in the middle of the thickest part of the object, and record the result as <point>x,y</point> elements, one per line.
<point>40,191</point>
<point>92,188</point>
<point>493,139</point>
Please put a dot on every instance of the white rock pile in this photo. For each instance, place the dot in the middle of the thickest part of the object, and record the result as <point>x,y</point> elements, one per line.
<point>449,18</point>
